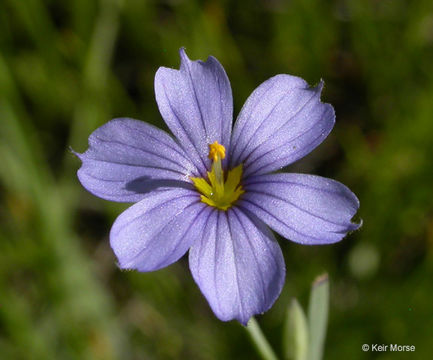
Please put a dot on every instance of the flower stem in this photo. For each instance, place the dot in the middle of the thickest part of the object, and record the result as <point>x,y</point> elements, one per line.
<point>259,340</point>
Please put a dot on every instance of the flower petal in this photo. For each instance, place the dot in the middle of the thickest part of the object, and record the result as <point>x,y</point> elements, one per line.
<point>127,158</point>
<point>196,103</point>
<point>282,121</point>
<point>238,265</point>
<point>158,230</point>
<point>306,209</point>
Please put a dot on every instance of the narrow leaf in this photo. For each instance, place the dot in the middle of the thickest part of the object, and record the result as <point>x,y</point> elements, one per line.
<point>295,336</point>
<point>318,316</point>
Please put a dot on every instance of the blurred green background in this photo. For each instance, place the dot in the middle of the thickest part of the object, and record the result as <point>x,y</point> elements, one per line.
<point>67,67</point>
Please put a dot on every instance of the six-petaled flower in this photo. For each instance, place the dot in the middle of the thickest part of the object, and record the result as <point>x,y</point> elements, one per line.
<point>211,190</point>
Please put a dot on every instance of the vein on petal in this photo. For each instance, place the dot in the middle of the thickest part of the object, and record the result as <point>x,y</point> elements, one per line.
<point>160,155</point>
<point>162,228</point>
<point>250,158</point>
<point>267,117</point>
<point>232,241</point>
<point>279,221</point>
<point>254,255</point>
<point>246,117</point>
<point>297,207</point>
<point>119,229</point>
<point>271,164</point>
<point>184,131</point>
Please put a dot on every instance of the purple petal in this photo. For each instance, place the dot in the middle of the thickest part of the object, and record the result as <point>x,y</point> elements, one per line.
<point>127,158</point>
<point>238,265</point>
<point>306,209</point>
<point>196,103</point>
<point>158,230</point>
<point>282,121</point>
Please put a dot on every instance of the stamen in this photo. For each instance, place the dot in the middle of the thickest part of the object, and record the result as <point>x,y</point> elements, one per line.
<point>217,191</point>
<point>216,153</point>
<point>216,150</point>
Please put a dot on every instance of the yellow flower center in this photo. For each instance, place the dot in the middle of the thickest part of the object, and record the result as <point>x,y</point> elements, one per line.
<point>217,191</point>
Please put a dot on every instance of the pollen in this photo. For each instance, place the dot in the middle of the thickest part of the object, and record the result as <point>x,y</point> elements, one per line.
<point>216,150</point>
<point>218,190</point>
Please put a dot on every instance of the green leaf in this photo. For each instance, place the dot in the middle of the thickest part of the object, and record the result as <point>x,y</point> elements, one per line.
<point>318,316</point>
<point>295,336</point>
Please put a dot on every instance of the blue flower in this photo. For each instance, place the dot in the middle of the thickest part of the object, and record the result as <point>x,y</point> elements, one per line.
<point>210,189</point>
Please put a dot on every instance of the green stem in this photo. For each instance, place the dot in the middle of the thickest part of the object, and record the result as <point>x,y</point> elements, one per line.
<point>259,340</point>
